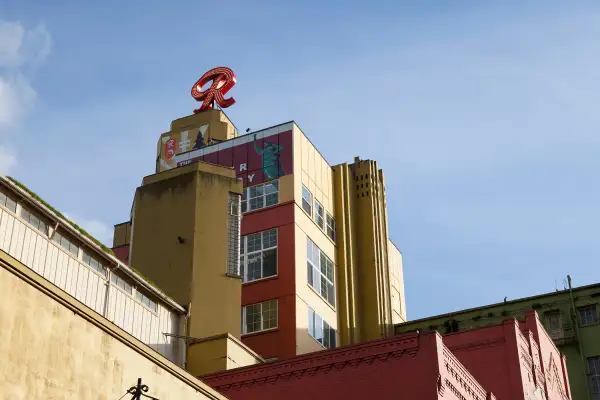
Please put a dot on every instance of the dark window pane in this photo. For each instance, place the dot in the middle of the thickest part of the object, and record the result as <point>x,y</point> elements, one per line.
<point>269,262</point>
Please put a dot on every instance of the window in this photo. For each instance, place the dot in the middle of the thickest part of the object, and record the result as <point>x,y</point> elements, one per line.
<point>93,263</point>
<point>260,196</point>
<point>233,235</point>
<point>34,221</point>
<point>320,330</point>
<point>594,374</point>
<point>330,226</point>
<point>554,324</point>
<point>259,317</point>
<point>145,300</point>
<point>306,200</point>
<point>66,244</point>
<point>8,202</point>
<point>587,315</point>
<point>319,214</point>
<point>119,282</point>
<point>258,255</point>
<point>320,272</point>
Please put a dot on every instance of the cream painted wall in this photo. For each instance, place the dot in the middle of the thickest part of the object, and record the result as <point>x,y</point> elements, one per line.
<point>306,295</point>
<point>396,283</point>
<point>312,171</point>
<point>52,349</point>
<point>36,251</point>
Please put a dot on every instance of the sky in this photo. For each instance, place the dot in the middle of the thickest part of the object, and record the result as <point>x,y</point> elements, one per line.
<point>483,115</point>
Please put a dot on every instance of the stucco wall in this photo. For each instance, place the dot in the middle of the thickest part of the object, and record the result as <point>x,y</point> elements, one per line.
<point>52,347</point>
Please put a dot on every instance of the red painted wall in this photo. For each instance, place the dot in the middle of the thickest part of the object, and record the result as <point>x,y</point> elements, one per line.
<point>405,367</point>
<point>122,253</point>
<point>513,359</point>
<point>280,342</point>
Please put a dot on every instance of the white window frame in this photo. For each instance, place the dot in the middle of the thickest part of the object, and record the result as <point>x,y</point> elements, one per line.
<point>587,315</point>
<point>121,284</point>
<point>45,231</point>
<point>93,263</point>
<point>264,196</point>
<point>330,227</point>
<point>6,200</point>
<point>312,269</point>
<point>146,301</point>
<point>319,214</point>
<point>244,254</point>
<point>66,244</point>
<point>320,330</point>
<point>307,203</point>
<point>261,306</point>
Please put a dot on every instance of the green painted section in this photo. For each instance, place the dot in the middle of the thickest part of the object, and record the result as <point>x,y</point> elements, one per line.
<point>560,301</point>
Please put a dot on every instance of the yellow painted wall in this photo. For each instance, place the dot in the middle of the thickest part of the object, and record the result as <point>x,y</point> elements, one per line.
<point>219,353</point>
<point>180,239</point>
<point>54,347</point>
<point>122,234</point>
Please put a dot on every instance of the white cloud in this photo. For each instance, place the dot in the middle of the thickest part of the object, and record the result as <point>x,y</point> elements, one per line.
<point>94,227</point>
<point>7,160</point>
<point>19,49</point>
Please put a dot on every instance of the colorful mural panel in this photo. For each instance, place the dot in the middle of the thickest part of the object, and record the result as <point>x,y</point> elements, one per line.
<point>256,159</point>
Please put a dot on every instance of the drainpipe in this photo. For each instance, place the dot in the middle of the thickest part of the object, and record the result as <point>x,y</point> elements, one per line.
<point>583,363</point>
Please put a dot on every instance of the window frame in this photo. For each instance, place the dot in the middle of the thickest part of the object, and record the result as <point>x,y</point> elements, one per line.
<point>115,279</point>
<point>307,203</point>
<point>100,268</point>
<point>593,372</point>
<point>319,207</point>
<point>326,335</point>
<point>331,226</point>
<point>262,319</point>
<point>5,200</point>
<point>26,210</point>
<point>583,319</point>
<point>59,239</point>
<point>244,255</point>
<point>145,300</point>
<point>246,199</point>
<point>311,267</point>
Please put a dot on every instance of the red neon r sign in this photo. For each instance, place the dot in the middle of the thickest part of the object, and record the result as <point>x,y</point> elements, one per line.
<point>222,79</point>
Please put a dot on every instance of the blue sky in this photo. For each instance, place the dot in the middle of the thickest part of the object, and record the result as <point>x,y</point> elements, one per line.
<point>483,115</point>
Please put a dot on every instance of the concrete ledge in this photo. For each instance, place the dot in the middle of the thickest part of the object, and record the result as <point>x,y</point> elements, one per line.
<point>31,277</point>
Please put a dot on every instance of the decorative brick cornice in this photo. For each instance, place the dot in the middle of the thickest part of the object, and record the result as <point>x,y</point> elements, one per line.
<point>316,363</point>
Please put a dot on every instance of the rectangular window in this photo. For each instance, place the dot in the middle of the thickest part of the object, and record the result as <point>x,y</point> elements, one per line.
<point>319,214</point>
<point>320,272</point>
<point>554,324</point>
<point>259,317</point>
<point>320,330</point>
<point>66,244</point>
<point>145,300</point>
<point>93,263</point>
<point>258,255</point>
<point>121,283</point>
<point>594,374</point>
<point>7,202</point>
<point>307,200</point>
<point>233,235</point>
<point>587,315</point>
<point>34,221</point>
<point>260,196</point>
<point>330,226</point>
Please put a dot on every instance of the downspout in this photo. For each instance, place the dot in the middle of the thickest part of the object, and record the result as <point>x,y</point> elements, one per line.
<point>186,334</point>
<point>578,333</point>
